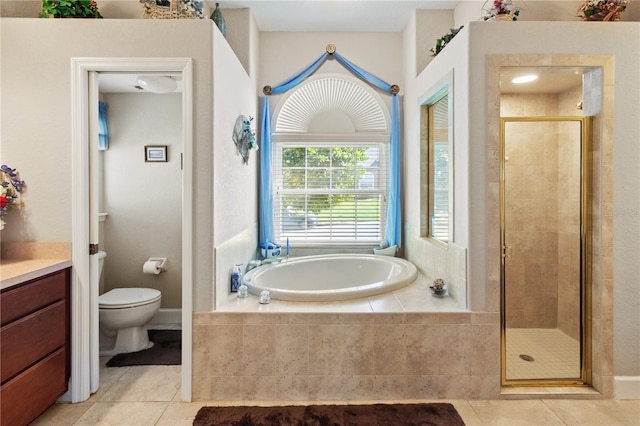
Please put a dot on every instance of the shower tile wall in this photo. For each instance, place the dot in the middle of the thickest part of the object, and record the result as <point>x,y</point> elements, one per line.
<point>568,218</point>
<point>543,222</point>
<point>531,189</point>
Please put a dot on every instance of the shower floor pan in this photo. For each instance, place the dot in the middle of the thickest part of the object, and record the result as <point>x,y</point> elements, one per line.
<point>541,353</point>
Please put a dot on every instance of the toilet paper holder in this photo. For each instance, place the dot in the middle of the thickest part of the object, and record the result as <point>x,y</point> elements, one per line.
<point>159,263</point>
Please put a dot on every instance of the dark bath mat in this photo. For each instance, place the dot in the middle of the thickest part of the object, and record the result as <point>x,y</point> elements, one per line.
<point>433,414</point>
<point>167,350</point>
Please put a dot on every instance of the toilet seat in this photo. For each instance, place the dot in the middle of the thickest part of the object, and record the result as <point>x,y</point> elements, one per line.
<point>122,298</point>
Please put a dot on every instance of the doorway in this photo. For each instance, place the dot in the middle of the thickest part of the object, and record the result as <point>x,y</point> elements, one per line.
<point>545,240</point>
<point>85,212</point>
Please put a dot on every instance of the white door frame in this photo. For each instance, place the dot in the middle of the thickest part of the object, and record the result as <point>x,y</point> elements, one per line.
<point>82,319</point>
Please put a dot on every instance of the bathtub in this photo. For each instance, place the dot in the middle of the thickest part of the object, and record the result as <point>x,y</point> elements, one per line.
<point>331,277</point>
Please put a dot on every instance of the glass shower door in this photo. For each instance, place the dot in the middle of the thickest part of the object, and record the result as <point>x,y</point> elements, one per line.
<point>543,235</point>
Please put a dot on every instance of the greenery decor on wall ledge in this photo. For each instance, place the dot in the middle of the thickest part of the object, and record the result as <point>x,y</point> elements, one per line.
<point>172,9</point>
<point>602,10</point>
<point>69,9</point>
<point>501,10</point>
<point>444,40</point>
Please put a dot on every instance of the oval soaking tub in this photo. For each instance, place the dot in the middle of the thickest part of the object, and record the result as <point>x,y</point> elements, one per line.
<point>331,277</point>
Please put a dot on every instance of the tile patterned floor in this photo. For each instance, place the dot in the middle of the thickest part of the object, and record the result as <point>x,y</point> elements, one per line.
<point>556,355</point>
<point>150,395</point>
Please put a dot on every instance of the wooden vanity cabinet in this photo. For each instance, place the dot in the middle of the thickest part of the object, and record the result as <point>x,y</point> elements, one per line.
<point>35,351</point>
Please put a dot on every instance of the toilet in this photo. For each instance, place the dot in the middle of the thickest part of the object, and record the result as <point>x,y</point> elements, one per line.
<point>123,317</point>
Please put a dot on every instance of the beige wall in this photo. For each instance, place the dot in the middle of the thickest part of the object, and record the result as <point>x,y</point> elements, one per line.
<point>476,159</point>
<point>430,25</point>
<point>235,185</point>
<point>143,200</point>
<point>433,259</point>
<point>617,158</point>
<point>243,36</point>
<point>283,54</point>
<point>36,83</point>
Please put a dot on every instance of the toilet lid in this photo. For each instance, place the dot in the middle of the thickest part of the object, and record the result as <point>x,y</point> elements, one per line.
<point>128,297</point>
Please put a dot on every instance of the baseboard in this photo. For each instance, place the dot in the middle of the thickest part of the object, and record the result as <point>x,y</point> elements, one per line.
<point>166,319</point>
<point>626,387</point>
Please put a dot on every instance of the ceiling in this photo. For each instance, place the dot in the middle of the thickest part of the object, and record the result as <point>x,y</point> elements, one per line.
<point>550,79</point>
<point>333,15</point>
<point>122,82</point>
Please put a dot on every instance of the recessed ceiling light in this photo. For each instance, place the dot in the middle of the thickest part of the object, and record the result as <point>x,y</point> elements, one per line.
<point>525,79</point>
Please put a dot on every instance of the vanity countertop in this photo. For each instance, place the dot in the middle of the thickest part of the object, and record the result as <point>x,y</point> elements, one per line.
<point>14,271</point>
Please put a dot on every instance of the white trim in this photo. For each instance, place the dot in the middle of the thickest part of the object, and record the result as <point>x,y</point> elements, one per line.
<point>80,286</point>
<point>187,226</point>
<point>442,87</point>
<point>95,183</point>
<point>79,385</point>
<point>626,387</point>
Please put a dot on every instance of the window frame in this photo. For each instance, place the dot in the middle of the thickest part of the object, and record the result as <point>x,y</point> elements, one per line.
<point>440,91</point>
<point>281,141</point>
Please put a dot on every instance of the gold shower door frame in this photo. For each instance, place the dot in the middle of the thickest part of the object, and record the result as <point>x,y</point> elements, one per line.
<point>585,254</point>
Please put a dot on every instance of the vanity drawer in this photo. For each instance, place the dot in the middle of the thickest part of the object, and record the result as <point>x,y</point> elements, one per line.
<point>26,396</point>
<point>31,296</point>
<point>25,341</point>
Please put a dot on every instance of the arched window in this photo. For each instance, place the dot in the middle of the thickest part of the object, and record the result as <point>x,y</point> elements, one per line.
<point>330,160</point>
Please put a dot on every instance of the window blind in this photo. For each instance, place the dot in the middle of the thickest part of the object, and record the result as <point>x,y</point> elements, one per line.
<point>330,193</point>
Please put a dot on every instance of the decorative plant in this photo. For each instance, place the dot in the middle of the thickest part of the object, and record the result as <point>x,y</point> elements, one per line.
<point>444,40</point>
<point>438,287</point>
<point>189,7</point>
<point>69,9</point>
<point>602,10</point>
<point>10,188</point>
<point>244,137</point>
<point>193,7</point>
<point>504,8</point>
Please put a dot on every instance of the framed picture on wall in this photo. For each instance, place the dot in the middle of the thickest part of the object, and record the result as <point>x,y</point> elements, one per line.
<point>155,153</point>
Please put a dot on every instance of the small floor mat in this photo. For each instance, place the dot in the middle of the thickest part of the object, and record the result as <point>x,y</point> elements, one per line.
<point>435,414</point>
<point>166,350</point>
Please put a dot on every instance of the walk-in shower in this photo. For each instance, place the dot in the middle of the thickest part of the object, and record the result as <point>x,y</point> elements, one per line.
<point>545,249</point>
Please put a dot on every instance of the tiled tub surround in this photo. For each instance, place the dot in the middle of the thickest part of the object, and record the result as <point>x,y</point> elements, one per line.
<point>345,356</point>
<point>415,297</point>
<point>436,261</point>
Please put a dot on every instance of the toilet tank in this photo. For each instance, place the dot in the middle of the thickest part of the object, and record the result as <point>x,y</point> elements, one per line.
<point>101,256</point>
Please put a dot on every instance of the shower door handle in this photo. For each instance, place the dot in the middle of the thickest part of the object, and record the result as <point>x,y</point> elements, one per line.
<point>506,252</point>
